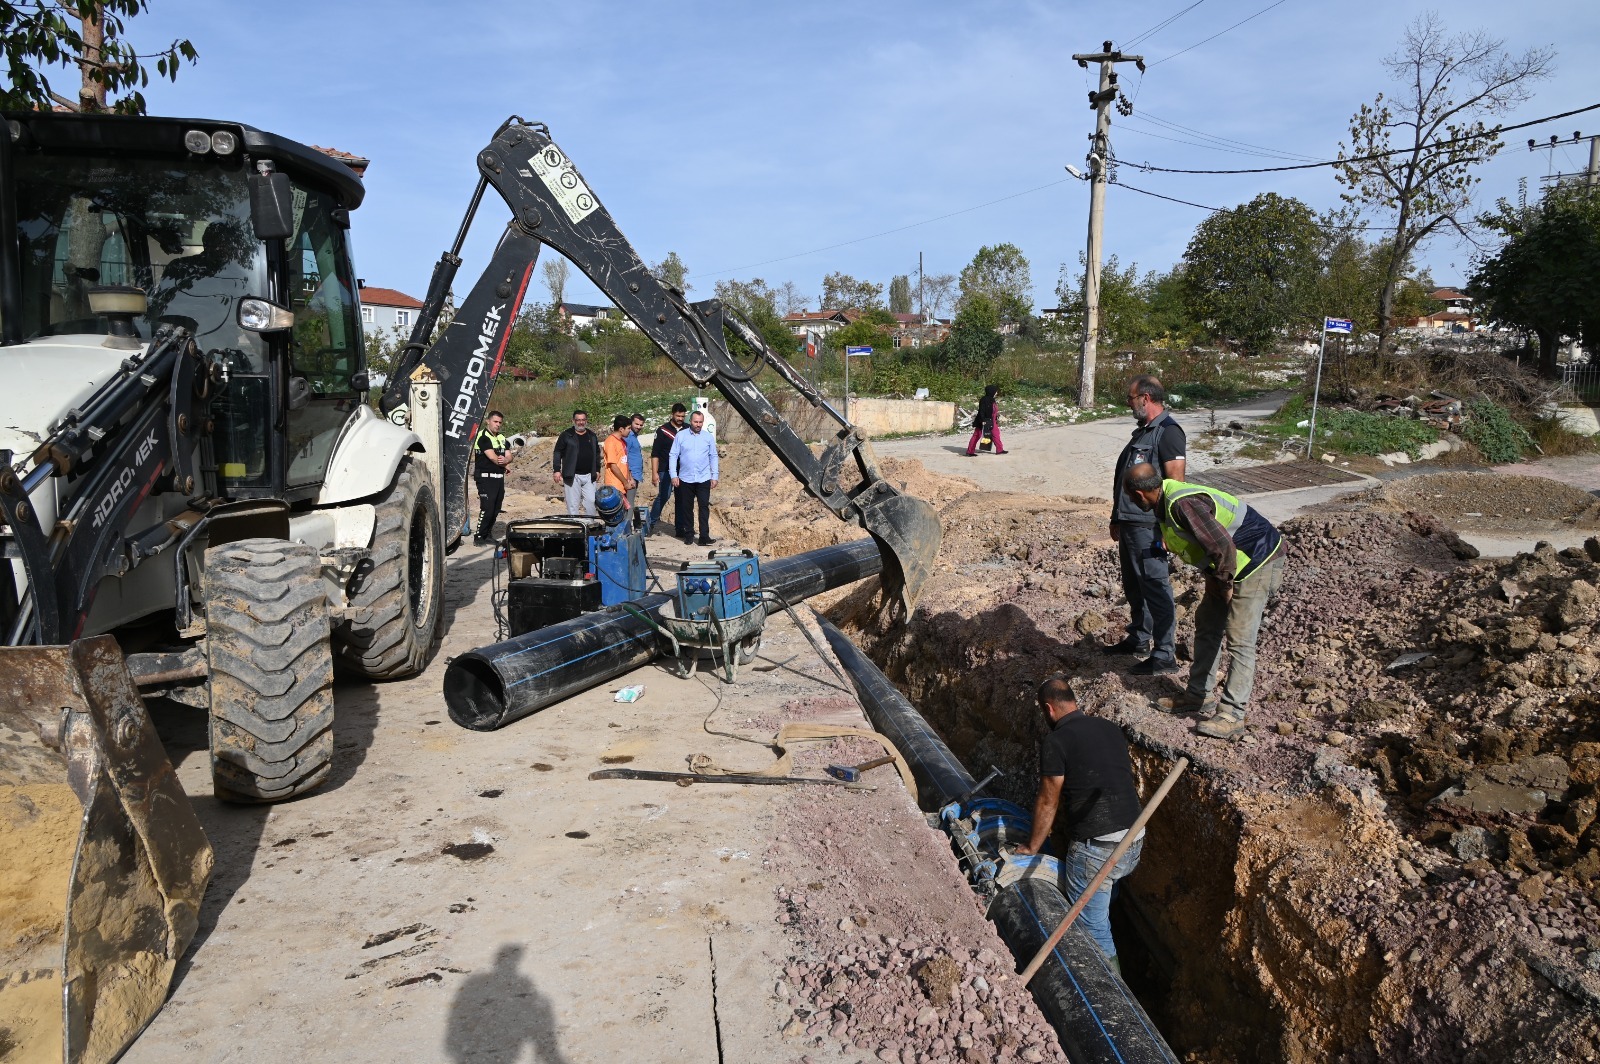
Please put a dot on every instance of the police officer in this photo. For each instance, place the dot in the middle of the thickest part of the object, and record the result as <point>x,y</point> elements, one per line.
<point>489,470</point>
<point>1159,441</point>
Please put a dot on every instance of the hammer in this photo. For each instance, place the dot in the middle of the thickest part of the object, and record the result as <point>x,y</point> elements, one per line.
<point>852,775</point>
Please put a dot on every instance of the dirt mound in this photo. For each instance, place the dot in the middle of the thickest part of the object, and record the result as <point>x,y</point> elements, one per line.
<point>1402,858</point>
<point>1487,501</point>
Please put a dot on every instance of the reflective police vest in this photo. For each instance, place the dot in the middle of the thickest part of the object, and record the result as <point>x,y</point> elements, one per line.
<point>1230,513</point>
<point>497,443</point>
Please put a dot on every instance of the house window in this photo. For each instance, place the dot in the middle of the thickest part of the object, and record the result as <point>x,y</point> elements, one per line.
<point>366,315</point>
<point>402,318</point>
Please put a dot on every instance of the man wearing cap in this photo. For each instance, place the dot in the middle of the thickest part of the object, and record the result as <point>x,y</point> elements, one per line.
<point>1085,772</point>
<point>1241,555</point>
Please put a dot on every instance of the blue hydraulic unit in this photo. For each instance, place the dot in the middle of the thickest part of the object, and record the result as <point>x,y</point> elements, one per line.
<point>725,586</point>
<point>616,555</point>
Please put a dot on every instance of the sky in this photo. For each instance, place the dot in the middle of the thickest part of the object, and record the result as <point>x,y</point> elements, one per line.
<point>748,137</point>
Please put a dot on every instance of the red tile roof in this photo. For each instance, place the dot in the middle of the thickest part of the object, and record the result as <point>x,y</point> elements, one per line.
<point>1446,293</point>
<point>354,162</point>
<point>388,297</point>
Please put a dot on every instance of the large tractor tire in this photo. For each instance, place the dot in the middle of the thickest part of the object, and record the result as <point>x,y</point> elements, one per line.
<point>271,670</point>
<point>392,627</point>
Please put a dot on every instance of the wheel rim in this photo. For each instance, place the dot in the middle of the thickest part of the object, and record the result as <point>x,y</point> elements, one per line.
<point>419,568</point>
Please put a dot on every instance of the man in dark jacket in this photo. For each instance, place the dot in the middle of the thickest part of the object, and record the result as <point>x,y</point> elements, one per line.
<point>660,451</point>
<point>1159,441</point>
<point>1084,765</point>
<point>576,462</point>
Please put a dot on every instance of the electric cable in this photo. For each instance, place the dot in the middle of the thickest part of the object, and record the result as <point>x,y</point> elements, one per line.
<point>1214,36</point>
<point>1166,123</point>
<point>1158,27</point>
<point>1200,144</point>
<point>1494,132</point>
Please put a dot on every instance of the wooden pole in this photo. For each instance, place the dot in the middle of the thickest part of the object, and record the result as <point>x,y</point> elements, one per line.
<point>1105,870</point>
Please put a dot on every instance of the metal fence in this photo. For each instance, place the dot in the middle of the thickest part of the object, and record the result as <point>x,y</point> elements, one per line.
<point>1584,380</point>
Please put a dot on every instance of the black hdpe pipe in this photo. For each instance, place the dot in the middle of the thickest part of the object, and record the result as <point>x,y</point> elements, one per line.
<point>492,686</point>
<point>941,778</point>
<point>1095,1016</point>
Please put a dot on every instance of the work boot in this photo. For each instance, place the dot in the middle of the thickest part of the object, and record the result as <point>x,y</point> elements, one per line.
<point>1154,666</point>
<point>1186,703</point>
<point>1128,645</point>
<point>1227,724</point>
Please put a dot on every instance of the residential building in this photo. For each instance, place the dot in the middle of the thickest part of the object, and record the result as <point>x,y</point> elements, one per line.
<point>1455,317</point>
<point>383,309</point>
<point>819,322</point>
<point>583,315</point>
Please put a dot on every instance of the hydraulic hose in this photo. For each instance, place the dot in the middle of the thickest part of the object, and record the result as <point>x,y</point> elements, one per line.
<point>492,686</point>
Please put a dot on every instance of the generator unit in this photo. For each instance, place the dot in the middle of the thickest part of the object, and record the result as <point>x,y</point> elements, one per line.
<point>726,585</point>
<point>561,567</point>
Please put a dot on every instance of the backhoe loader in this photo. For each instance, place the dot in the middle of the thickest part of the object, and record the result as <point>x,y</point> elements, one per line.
<point>198,503</point>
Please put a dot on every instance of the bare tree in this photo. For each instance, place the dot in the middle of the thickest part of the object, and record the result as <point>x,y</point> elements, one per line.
<point>937,288</point>
<point>556,272</point>
<point>1413,156</point>
<point>788,298</point>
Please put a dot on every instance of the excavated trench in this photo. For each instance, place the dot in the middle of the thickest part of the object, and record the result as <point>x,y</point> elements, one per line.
<point>1403,861</point>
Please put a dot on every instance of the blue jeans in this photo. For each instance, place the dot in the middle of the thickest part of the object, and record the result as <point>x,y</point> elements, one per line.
<point>1084,861</point>
<point>1146,583</point>
<point>664,489</point>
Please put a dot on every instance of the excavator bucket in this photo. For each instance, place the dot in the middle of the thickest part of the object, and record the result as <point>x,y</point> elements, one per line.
<point>104,860</point>
<point>908,534</point>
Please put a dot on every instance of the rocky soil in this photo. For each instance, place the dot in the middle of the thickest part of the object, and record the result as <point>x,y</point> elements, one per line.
<point>1399,860</point>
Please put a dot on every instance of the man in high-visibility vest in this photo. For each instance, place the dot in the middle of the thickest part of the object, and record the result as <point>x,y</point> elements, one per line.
<point>1241,555</point>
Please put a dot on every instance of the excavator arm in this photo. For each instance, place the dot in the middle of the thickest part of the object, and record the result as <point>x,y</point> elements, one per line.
<point>551,204</point>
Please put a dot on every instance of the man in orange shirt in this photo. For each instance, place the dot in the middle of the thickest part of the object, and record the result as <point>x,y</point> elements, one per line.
<point>614,456</point>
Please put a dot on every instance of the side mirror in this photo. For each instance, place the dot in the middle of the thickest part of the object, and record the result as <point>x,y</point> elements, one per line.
<point>360,382</point>
<point>299,393</point>
<point>271,206</point>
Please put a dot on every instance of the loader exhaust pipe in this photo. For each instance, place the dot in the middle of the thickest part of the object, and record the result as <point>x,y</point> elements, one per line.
<point>492,686</point>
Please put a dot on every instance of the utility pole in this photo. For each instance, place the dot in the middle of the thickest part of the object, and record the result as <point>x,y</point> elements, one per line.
<point>922,307</point>
<point>1099,156</point>
<point>1590,177</point>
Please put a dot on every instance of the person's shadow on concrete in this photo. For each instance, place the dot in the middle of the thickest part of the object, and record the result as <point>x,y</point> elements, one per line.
<point>497,1012</point>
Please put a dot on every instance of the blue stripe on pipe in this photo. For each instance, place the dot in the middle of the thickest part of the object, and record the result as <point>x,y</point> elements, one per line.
<point>562,637</point>
<point>580,657</point>
<point>1055,951</point>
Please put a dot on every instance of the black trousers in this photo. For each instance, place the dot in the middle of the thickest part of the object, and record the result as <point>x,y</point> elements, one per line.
<point>1146,582</point>
<point>689,496</point>
<point>491,496</point>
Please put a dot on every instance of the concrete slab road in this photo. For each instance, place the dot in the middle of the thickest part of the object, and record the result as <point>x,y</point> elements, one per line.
<point>457,896</point>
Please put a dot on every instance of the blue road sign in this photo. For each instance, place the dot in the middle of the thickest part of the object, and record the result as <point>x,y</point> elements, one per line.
<point>850,351</point>
<point>1338,325</point>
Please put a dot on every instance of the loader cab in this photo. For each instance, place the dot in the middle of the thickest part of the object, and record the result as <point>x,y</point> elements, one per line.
<point>164,207</point>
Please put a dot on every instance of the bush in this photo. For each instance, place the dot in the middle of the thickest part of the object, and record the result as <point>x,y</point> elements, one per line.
<point>1358,432</point>
<point>1494,432</point>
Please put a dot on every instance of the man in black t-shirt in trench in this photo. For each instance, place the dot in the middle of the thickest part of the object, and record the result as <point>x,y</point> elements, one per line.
<point>1084,772</point>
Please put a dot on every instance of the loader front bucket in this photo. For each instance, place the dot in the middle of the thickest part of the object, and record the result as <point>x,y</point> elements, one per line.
<point>104,861</point>
<point>908,534</point>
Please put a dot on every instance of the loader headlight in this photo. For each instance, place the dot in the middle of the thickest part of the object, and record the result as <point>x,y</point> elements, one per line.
<point>223,142</point>
<point>197,141</point>
<point>260,315</point>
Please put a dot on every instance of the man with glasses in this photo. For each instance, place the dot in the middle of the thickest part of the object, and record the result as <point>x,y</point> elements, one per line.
<point>1158,440</point>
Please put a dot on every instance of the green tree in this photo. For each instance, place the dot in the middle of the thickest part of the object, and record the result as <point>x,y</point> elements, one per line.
<point>974,342</point>
<point>1000,274</point>
<point>758,303</point>
<point>1414,157</point>
<point>900,295</point>
<point>840,291</point>
<point>1250,271</point>
<point>1172,318</point>
<point>541,342</point>
<point>671,272</point>
<point>90,35</point>
<point>383,350</point>
<point>1124,309</point>
<point>615,344</point>
<point>1543,278</point>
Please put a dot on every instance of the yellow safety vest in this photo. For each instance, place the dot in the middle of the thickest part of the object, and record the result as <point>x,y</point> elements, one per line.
<point>1229,512</point>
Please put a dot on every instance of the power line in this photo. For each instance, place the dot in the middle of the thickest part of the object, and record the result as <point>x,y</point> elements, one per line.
<point>1163,24</point>
<point>1216,210</point>
<point>1268,154</point>
<point>1495,132</point>
<point>1214,36</point>
<point>874,236</point>
<point>1169,124</point>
